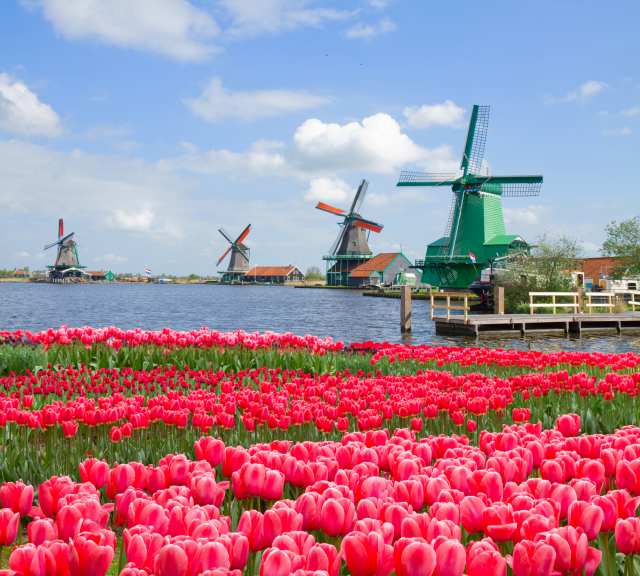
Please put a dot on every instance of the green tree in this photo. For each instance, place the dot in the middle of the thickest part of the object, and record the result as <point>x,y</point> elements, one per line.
<point>314,273</point>
<point>547,268</point>
<point>623,241</point>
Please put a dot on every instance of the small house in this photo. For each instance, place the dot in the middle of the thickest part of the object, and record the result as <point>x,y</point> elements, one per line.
<point>273,275</point>
<point>379,270</point>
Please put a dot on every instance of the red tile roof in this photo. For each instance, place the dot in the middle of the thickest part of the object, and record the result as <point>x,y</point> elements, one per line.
<point>376,264</point>
<point>271,270</point>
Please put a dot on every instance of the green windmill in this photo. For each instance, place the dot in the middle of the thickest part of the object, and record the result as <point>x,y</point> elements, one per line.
<point>475,234</point>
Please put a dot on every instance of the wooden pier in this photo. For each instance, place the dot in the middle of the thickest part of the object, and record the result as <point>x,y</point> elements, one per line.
<point>570,313</point>
<point>522,324</point>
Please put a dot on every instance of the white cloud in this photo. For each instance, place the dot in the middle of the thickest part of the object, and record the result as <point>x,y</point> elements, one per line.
<point>531,215</point>
<point>21,111</point>
<point>263,158</point>
<point>125,194</point>
<point>360,30</point>
<point>585,91</point>
<point>319,149</point>
<point>328,190</point>
<point>448,113</point>
<point>623,131</point>
<point>131,220</point>
<point>215,103</point>
<point>173,28</point>
<point>250,17</point>
<point>379,4</point>
<point>375,144</point>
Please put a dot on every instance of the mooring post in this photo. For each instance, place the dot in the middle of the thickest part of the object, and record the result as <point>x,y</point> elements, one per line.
<point>405,309</point>
<point>580,300</point>
<point>498,300</point>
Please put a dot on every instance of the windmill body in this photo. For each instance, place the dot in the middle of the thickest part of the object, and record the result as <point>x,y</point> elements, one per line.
<point>67,263</point>
<point>475,234</point>
<point>239,256</point>
<point>351,247</point>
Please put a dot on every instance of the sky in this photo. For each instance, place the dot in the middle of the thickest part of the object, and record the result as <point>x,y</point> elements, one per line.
<point>149,124</point>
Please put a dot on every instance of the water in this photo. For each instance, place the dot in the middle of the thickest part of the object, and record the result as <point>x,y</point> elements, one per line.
<point>343,314</point>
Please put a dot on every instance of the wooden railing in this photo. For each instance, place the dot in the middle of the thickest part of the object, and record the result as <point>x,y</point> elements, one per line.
<point>605,300</point>
<point>573,305</point>
<point>449,301</point>
<point>635,299</point>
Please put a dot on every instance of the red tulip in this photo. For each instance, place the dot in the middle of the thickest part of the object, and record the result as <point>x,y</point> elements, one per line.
<point>367,555</point>
<point>9,523</point>
<point>450,558</point>
<point>533,559</point>
<point>18,496</point>
<point>568,424</point>
<point>414,557</point>
<point>171,561</point>
<point>627,535</point>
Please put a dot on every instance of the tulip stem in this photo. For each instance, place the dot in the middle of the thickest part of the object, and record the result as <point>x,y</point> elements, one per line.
<point>629,565</point>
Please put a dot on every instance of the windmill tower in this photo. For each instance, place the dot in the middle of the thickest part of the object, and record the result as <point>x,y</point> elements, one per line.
<point>239,260</point>
<point>351,247</point>
<point>67,262</point>
<point>475,234</point>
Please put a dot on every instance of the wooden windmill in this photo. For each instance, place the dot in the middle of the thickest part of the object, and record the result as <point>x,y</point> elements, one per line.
<point>351,247</point>
<point>239,259</point>
<point>67,262</point>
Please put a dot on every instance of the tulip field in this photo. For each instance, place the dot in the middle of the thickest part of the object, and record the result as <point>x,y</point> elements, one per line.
<point>168,453</point>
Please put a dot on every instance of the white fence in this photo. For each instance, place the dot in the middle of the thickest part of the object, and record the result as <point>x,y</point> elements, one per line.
<point>573,305</point>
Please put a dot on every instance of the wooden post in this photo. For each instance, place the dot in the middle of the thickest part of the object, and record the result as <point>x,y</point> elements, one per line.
<point>580,300</point>
<point>405,309</point>
<point>498,300</point>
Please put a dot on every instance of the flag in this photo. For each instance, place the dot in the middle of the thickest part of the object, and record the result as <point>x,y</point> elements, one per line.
<point>472,257</point>
<point>147,271</point>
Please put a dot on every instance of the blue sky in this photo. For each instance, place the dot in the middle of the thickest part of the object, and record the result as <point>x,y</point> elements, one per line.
<point>147,125</point>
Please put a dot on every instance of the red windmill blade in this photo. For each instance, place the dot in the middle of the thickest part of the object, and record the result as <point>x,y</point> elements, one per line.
<point>368,225</point>
<point>330,209</point>
<point>224,255</point>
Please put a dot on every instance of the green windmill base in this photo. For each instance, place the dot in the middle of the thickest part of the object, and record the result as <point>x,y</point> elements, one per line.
<point>475,234</point>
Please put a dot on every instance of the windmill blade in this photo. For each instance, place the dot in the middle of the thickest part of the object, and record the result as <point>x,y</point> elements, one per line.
<point>512,186</point>
<point>338,240</point>
<point>515,190</point>
<point>359,197</point>
<point>60,241</point>
<point>225,235</point>
<point>223,256</point>
<point>416,178</point>
<point>368,225</point>
<point>476,140</point>
<point>243,234</point>
<point>60,228</point>
<point>330,209</point>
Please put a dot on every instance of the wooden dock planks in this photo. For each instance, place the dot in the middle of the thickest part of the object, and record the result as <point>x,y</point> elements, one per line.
<point>476,324</point>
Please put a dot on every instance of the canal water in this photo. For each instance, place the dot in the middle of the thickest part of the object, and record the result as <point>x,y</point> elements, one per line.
<point>343,314</point>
